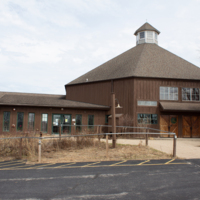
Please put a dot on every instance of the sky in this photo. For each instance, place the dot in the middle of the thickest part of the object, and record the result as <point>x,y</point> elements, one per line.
<point>45,44</point>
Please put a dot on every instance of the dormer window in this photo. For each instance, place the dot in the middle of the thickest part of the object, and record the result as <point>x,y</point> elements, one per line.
<point>142,35</point>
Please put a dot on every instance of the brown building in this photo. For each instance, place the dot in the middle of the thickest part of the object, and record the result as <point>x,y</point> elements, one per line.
<point>154,86</point>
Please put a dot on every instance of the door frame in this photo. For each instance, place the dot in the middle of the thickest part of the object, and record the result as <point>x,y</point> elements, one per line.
<point>61,118</point>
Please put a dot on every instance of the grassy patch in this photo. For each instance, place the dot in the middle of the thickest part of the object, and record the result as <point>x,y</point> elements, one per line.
<point>79,149</point>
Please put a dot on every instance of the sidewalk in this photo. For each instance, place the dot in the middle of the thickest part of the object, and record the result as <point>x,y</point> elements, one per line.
<point>186,147</point>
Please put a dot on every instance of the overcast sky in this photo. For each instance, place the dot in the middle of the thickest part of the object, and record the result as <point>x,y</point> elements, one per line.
<point>45,44</point>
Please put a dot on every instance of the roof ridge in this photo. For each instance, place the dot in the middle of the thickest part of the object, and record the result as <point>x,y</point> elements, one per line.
<point>99,66</point>
<point>2,95</point>
<point>29,94</point>
<point>142,51</point>
<point>179,57</point>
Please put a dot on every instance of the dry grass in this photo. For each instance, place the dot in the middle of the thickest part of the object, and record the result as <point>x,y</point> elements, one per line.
<point>98,153</point>
<point>77,149</point>
<point>27,148</point>
<point>11,147</point>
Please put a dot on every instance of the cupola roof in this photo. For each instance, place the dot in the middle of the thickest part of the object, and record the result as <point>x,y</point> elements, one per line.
<point>146,27</point>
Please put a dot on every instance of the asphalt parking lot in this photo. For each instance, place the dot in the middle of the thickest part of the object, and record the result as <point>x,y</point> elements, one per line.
<point>21,164</point>
<point>126,179</point>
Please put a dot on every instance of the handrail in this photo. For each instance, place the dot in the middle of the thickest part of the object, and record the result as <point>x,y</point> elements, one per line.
<point>87,135</point>
<point>117,127</point>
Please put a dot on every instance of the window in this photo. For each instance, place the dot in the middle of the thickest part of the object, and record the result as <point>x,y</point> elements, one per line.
<point>31,121</point>
<point>150,34</point>
<point>190,94</point>
<point>147,103</point>
<point>106,121</point>
<point>147,118</point>
<point>156,36</point>
<point>6,121</point>
<point>20,118</point>
<point>78,122</point>
<point>142,35</point>
<point>90,121</point>
<point>44,123</point>
<point>168,93</point>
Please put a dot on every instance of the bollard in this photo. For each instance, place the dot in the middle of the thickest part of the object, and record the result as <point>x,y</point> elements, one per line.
<point>39,151</point>
<point>174,146</point>
<point>106,146</point>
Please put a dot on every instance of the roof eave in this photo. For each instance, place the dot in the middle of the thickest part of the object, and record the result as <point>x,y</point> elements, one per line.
<point>53,106</point>
<point>68,84</point>
<point>146,30</point>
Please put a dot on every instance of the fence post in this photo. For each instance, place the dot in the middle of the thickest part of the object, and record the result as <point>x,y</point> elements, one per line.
<point>97,129</point>
<point>99,133</point>
<point>60,128</point>
<point>113,120</point>
<point>106,145</point>
<point>147,138</point>
<point>39,151</point>
<point>20,148</point>
<point>174,146</point>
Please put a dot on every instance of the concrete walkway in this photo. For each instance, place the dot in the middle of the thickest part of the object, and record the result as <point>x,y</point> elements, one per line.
<point>186,147</point>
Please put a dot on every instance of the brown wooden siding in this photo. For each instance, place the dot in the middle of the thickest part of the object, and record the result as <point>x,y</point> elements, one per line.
<point>148,90</point>
<point>100,93</point>
<point>99,116</point>
<point>128,92</point>
<point>97,93</point>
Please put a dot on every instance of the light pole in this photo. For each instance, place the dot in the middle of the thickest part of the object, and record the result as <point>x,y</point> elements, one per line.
<point>113,99</point>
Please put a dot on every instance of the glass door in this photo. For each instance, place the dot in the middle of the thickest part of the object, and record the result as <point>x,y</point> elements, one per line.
<point>61,119</point>
<point>56,123</point>
<point>66,120</point>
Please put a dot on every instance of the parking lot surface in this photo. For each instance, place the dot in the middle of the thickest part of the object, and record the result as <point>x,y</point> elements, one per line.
<point>21,164</point>
<point>126,179</point>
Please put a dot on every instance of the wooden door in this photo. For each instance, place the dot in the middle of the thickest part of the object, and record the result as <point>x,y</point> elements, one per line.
<point>164,124</point>
<point>169,123</point>
<point>174,124</point>
<point>195,126</point>
<point>191,126</point>
<point>186,132</point>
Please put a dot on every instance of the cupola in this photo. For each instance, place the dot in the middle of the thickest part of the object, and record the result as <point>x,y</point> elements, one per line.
<point>146,34</point>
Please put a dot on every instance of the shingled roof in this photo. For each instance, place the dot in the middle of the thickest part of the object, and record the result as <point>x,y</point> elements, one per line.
<point>44,100</point>
<point>146,27</point>
<point>144,60</point>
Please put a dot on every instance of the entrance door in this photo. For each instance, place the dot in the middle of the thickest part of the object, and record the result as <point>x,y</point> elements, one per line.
<point>56,123</point>
<point>169,123</point>
<point>191,126</point>
<point>62,119</point>
<point>66,120</point>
